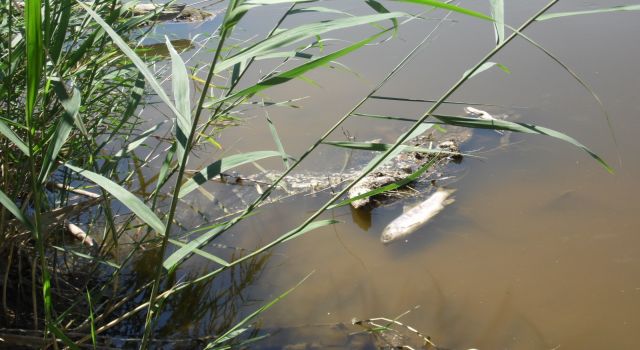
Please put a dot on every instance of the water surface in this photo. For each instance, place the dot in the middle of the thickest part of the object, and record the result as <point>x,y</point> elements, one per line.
<point>540,249</point>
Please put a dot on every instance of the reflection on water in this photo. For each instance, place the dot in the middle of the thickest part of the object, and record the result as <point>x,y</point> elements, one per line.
<point>539,250</point>
<point>192,317</point>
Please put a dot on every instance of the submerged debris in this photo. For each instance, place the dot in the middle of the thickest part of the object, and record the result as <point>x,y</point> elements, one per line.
<point>407,164</point>
<point>161,12</point>
<point>173,12</point>
<point>371,182</point>
<point>417,216</point>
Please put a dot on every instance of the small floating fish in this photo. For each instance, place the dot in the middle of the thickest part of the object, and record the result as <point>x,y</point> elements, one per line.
<point>417,216</point>
<point>480,114</point>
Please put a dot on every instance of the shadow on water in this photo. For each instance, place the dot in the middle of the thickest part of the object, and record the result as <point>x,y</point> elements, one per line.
<point>194,316</point>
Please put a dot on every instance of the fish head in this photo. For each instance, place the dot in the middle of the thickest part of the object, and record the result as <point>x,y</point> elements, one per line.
<point>387,236</point>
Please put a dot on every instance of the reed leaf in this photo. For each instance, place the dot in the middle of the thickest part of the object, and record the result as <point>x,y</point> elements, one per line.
<point>142,67</point>
<point>486,66</point>
<point>297,34</point>
<point>34,53</point>
<point>278,142</point>
<point>589,12</point>
<point>236,15</point>
<point>390,187</point>
<point>202,253</point>
<point>496,124</point>
<point>125,197</point>
<point>187,249</point>
<point>71,105</point>
<point>15,139</point>
<point>298,71</point>
<point>60,31</point>
<point>92,321</point>
<point>497,12</point>
<point>216,168</point>
<point>138,141</point>
<point>13,209</point>
<point>379,8</point>
<point>180,87</point>
<point>61,336</point>
<point>449,7</point>
<point>312,226</point>
<point>381,147</point>
<point>236,329</point>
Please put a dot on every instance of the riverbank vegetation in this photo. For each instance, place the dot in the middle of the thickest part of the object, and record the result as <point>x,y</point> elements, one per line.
<point>91,191</point>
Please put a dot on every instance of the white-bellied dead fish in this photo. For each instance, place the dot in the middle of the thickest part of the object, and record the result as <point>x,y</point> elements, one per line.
<point>417,216</point>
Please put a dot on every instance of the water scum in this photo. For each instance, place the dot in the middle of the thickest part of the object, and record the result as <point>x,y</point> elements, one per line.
<point>417,216</point>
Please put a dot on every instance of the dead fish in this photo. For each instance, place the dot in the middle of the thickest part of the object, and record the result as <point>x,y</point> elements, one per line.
<point>480,114</point>
<point>417,216</point>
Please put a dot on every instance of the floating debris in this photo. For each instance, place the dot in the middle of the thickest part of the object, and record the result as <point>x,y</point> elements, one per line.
<point>417,216</point>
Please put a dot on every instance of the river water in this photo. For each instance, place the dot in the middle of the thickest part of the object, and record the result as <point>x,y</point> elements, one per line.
<point>540,248</point>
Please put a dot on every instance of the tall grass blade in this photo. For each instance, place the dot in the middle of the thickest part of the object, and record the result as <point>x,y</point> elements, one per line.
<point>379,8</point>
<point>60,31</point>
<point>450,7</point>
<point>34,52</point>
<point>15,139</point>
<point>138,141</point>
<point>294,35</point>
<point>238,12</point>
<point>71,105</point>
<point>276,139</point>
<point>381,147</point>
<point>298,71</point>
<point>86,256</point>
<point>164,169</point>
<point>312,226</point>
<point>522,128</point>
<point>92,321</point>
<point>180,87</point>
<point>234,330</point>
<point>13,209</point>
<point>390,187</point>
<point>589,12</point>
<point>60,335</point>
<point>497,12</point>
<point>202,253</point>
<point>484,67</point>
<point>174,259</point>
<point>35,62</point>
<point>142,67</point>
<point>216,168</point>
<point>127,198</point>
<point>584,84</point>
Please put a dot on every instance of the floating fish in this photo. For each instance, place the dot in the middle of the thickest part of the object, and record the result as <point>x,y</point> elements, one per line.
<point>417,216</point>
<point>480,114</point>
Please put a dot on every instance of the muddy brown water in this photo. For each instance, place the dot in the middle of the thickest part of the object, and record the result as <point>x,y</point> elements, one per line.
<point>540,249</point>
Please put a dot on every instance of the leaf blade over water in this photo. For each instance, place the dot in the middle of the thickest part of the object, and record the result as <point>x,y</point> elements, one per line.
<point>589,12</point>
<point>180,87</point>
<point>450,7</point>
<point>294,35</point>
<point>127,198</point>
<point>497,11</point>
<point>216,168</point>
<point>496,124</point>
